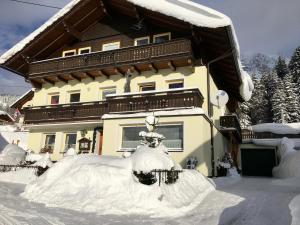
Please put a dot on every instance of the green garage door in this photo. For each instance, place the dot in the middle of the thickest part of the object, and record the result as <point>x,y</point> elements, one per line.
<point>258,162</point>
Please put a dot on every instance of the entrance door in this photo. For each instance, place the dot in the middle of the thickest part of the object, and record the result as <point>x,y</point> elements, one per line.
<point>258,162</point>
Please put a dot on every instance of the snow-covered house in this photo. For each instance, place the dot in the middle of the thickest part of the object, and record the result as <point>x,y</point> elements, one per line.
<point>99,67</point>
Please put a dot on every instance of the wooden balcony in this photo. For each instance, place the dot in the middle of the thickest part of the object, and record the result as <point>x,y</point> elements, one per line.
<point>230,124</point>
<point>249,134</point>
<point>171,54</point>
<point>138,102</point>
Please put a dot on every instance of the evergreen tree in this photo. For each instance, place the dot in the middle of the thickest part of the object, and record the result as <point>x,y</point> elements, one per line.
<point>244,114</point>
<point>278,101</point>
<point>281,68</point>
<point>292,99</point>
<point>294,65</point>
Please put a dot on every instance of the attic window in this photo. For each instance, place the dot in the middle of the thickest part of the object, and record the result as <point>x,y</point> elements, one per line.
<point>69,53</point>
<point>159,38</point>
<point>86,50</point>
<point>142,41</point>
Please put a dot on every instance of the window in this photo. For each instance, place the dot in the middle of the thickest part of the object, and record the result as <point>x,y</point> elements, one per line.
<point>142,41</point>
<point>70,141</point>
<point>108,91</point>
<point>69,53</point>
<point>176,84</point>
<point>147,87</point>
<point>82,51</point>
<point>111,46</point>
<point>54,99</point>
<point>50,141</point>
<point>172,133</point>
<point>158,38</point>
<point>74,97</point>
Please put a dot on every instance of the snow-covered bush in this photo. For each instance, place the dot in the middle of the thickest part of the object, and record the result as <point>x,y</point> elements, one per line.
<point>224,165</point>
<point>70,152</point>
<point>12,155</point>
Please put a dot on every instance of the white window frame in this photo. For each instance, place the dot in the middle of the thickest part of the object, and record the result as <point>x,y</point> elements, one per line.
<point>65,140</point>
<point>104,89</point>
<point>174,82</point>
<point>141,38</point>
<point>45,138</point>
<point>121,149</point>
<point>147,84</point>
<point>68,51</point>
<point>111,43</point>
<point>159,35</point>
<point>73,92</point>
<point>85,48</point>
<point>49,96</point>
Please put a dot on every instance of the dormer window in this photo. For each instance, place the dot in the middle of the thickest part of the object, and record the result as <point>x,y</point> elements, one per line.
<point>86,50</point>
<point>111,46</point>
<point>141,41</point>
<point>159,38</point>
<point>69,53</point>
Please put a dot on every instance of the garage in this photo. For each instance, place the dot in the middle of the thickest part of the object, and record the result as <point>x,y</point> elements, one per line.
<point>258,162</point>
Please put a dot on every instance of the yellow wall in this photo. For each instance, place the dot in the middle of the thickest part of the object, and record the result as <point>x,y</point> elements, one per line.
<point>196,138</point>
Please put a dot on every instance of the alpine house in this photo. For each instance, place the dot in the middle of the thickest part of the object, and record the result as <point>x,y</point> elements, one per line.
<point>100,66</point>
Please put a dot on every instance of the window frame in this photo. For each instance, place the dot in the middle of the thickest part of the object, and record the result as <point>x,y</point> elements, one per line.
<point>159,35</point>
<point>85,48</point>
<point>175,82</point>
<point>141,85</point>
<point>45,139</point>
<point>141,38</point>
<point>65,142</point>
<point>49,98</point>
<point>106,89</point>
<point>109,43</point>
<point>121,149</point>
<point>69,51</point>
<point>71,93</point>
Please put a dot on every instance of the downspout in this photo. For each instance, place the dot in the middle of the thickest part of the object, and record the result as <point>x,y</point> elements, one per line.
<point>209,107</point>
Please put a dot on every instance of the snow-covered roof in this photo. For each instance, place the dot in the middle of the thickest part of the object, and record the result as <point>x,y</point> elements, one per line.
<point>23,97</point>
<point>185,10</point>
<point>277,128</point>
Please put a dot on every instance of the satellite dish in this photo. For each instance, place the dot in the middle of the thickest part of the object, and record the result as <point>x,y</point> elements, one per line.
<point>220,99</point>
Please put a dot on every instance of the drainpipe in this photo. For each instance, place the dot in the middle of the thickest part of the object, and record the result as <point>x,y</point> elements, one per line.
<point>209,107</point>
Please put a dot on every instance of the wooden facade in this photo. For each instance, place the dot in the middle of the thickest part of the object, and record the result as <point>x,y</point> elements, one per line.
<point>142,102</point>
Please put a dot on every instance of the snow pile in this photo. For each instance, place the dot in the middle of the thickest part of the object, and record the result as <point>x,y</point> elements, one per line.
<point>21,176</point>
<point>44,161</point>
<point>289,165</point>
<point>33,157</point>
<point>277,128</point>
<point>295,210</point>
<point>70,152</point>
<point>10,134</point>
<point>12,155</point>
<point>106,185</point>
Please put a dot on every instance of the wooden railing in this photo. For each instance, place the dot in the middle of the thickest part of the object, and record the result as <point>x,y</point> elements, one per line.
<point>231,122</point>
<point>118,57</point>
<point>120,103</point>
<point>248,134</point>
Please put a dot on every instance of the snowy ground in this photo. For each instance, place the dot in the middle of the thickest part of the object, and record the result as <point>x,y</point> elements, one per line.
<point>248,201</point>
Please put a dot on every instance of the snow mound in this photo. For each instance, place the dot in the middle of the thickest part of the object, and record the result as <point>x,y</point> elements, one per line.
<point>70,152</point>
<point>278,128</point>
<point>21,176</point>
<point>106,185</point>
<point>44,161</point>
<point>12,155</point>
<point>289,165</point>
<point>295,210</point>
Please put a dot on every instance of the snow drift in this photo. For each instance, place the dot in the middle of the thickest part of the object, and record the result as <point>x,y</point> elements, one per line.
<point>278,128</point>
<point>289,165</point>
<point>106,185</point>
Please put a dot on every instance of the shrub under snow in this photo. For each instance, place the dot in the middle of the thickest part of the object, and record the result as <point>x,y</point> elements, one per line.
<point>12,155</point>
<point>106,185</point>
<point>289,165</point>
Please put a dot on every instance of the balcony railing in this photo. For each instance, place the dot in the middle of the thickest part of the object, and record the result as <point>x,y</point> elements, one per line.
<point>231,123</point>
<point>148,101</point>
<point>248,134</point>
<point>115,58</point>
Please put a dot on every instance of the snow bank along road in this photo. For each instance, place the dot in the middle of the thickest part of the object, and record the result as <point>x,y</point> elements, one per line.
<point>248,201</point>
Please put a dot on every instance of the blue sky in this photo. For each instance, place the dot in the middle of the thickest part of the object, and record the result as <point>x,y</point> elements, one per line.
<point>268,26</point>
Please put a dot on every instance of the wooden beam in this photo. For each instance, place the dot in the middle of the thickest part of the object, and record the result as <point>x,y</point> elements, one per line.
<point>87,74</point>
<point>26,58</point>
<point>72,31</point>
<point>103,73</point>
<point>103,7</point>
<point>72,75</point>
<point>171,65</point>
<point>118,71</point>
<point>46,80</point>
<point>153,68</point>
<point>35,84</point>
<point>134,68</point>
<point>62,79</point>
